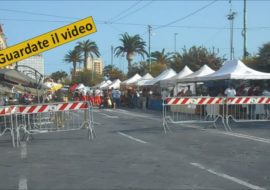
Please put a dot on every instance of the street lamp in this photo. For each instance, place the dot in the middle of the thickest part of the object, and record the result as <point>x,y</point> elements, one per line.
<point>231,17</point>
<point>175,34</point>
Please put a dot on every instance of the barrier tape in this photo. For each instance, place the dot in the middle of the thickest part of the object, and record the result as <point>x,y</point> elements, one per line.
<point>248,100</point>
<point>195,100</point>
<point>51,107</point>
<point>7,110</point>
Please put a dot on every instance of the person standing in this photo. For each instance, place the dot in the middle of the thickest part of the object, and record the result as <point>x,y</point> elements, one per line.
<point>230,91</point>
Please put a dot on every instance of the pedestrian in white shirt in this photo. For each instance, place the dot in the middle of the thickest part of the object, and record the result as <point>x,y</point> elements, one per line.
<point>230,91</point>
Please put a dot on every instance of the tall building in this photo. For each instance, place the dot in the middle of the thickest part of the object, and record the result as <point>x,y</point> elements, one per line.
<point>95,65</point>
<point>36,62</point>
<point>3,42</point>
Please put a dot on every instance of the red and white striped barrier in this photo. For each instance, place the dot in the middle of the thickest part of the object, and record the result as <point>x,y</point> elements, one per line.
<point>248,100</point>
<point>194,100</point>
<point>51,107</point>
<point>7,110</point>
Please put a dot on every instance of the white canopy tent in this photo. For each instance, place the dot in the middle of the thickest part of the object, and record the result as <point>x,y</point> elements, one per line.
<point>131,80</point>
<point>115,84</point>
<point>98,85</point>
<point>80,86</point>
<point>102,84</point>
<point>172,81</point>
<point>204,70</point>
<point>164,75</point>
<point>143,80</point>
<point>235,69</point>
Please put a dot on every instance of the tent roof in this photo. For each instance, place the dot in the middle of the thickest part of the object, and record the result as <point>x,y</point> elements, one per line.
<point>107,83</point>
<point>133,79</point>
<point>164,75</point>
<point>115,84</point>
<point>204,70</point>
<point>235,69</point>
<point>80,86</point>
<point>102,84</point>
<point>184,72</point>
<point>143,80</point>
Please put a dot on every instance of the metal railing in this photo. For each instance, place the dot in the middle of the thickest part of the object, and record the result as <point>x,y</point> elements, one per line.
<point>181,110</point>
<point>28,120</point>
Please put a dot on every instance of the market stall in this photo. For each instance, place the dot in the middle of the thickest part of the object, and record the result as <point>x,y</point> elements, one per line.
<point>234,70</point>
<point>143,80</point>
<point>178,87</point>
<point>130,82</point>
<point>115,84</point>
<point>154,89</point>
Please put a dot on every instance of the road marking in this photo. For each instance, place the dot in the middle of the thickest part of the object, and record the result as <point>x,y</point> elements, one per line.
<point>22,184</point>
<point>254,138</point>
<point>132,138</point>
<point>236,180</point>
<point>23,150</point>
<point>233,134</point>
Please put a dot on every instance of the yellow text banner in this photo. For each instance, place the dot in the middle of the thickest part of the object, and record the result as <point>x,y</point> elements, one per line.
<point>47,41</point>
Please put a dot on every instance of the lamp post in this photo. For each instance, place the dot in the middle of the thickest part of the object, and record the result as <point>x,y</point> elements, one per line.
<point>175,34</point>
<point>149,46</point>
<point>231,17</point>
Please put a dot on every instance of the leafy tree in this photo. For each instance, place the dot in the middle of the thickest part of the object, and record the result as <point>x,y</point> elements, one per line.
<point>85,77</point>
<point>161,57</point>
<point>157,68</point>
<point>196,57</point>
<point>88,49</point>
<point>176,62</point>
<point>141,68</point>
<point>251,61</point>
<point>74,57</point>
<point>59,76</point>
<point>113,72</point>
<point>131,45</point>
<point>263,59</point>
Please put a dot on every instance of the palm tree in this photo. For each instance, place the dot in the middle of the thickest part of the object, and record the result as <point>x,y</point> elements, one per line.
<point>74,57</point>
<point>131,45</point>
<point>176,62</point>
<point>88,48</point>
<point>161,57</point>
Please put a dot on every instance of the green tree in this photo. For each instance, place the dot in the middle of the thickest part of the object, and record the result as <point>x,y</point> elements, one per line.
<point>85,77</point>
<point>74,57</point>
<point>131,45</point>
<point>88,49</point>
<point>196,57</point>
<point>176,62</point>
<point>157,68</point>
<point>263,59</point>
<point>59,76</point>
<point>141,68</point>
<point>113,72</point>
<point>161,57</point>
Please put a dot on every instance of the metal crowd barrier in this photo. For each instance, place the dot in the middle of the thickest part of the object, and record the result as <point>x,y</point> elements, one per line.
<point>54,117</point>
<point>247,109</point>
<point>181,110</point>
<point>7,121</point>
<point>238,109</point>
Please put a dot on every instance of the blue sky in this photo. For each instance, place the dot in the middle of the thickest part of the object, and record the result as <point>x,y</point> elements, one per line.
<point>209,27</point>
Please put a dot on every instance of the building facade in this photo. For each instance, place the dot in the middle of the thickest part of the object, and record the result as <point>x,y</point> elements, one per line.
<point>95,65</point>
<point>36,62</point>
<point>3,41</point>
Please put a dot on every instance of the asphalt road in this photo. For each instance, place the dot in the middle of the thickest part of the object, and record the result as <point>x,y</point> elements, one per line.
<point>132,152</point>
